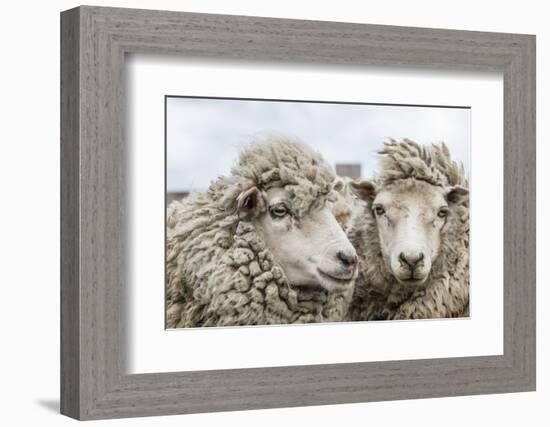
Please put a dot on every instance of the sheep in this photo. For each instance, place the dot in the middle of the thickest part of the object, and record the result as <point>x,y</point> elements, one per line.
<point>345,204</point>
<point>261,246</point>
<point>412,237</point>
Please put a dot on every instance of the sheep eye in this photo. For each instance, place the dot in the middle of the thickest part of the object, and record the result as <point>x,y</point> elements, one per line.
<point>443,212</point>
<point>379,210</point>
<point>279,211</point>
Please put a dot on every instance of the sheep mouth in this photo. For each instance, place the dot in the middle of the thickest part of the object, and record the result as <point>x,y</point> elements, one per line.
<point>340,279</point>
<point>412,281</point>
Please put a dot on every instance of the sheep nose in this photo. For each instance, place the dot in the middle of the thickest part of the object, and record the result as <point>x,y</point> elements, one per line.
<point>347,258</point>
<point>411,260</point>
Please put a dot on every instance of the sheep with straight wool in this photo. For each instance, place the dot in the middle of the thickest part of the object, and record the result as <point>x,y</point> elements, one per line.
<point>412,236</point>
<point>261,245</point>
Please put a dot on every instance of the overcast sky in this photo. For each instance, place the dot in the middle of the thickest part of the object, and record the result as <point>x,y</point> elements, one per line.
<point>204,135</point>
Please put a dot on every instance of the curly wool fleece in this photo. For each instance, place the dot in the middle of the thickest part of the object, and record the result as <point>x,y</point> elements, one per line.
<point>446,294</point>
<point>219,271</point>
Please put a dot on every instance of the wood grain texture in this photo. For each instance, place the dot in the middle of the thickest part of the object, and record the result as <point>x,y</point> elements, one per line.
<point>94,382</point>
<point>70,258</point>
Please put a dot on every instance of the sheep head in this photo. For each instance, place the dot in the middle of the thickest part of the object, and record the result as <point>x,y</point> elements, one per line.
<point>344,203</point>
<point>417,209</point>
<point>310,246</point>
<point>411,216</point>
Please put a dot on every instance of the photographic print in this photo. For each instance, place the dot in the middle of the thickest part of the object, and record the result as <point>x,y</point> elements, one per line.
<point>291,212</point>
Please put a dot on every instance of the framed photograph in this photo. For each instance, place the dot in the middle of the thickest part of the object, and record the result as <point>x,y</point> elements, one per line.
<point>309,236</point>
<point>261,213</point>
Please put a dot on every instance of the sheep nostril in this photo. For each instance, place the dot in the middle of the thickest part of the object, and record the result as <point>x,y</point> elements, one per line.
<point>347,258</point>
<point>410,261</point>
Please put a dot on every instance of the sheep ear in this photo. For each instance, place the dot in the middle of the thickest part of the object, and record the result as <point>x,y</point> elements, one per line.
<point>338,185</point>
<point>249,203</point>
<point>365,190</point>
<point>457,194</point>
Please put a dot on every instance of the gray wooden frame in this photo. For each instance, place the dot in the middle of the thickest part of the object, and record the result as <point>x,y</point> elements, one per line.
<point>94,41</point>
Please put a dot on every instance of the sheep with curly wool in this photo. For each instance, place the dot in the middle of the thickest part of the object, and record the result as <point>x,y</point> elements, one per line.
<point>412,236</point>
<point>345,203</point>
<point>261,245</point>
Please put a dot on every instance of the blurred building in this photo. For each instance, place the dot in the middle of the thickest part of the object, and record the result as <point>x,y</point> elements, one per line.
<point>351,170</point>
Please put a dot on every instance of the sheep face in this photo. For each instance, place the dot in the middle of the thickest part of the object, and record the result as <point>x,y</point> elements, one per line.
<point>312,250</point>
<point>343,203</point>
<point>410,216</point>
